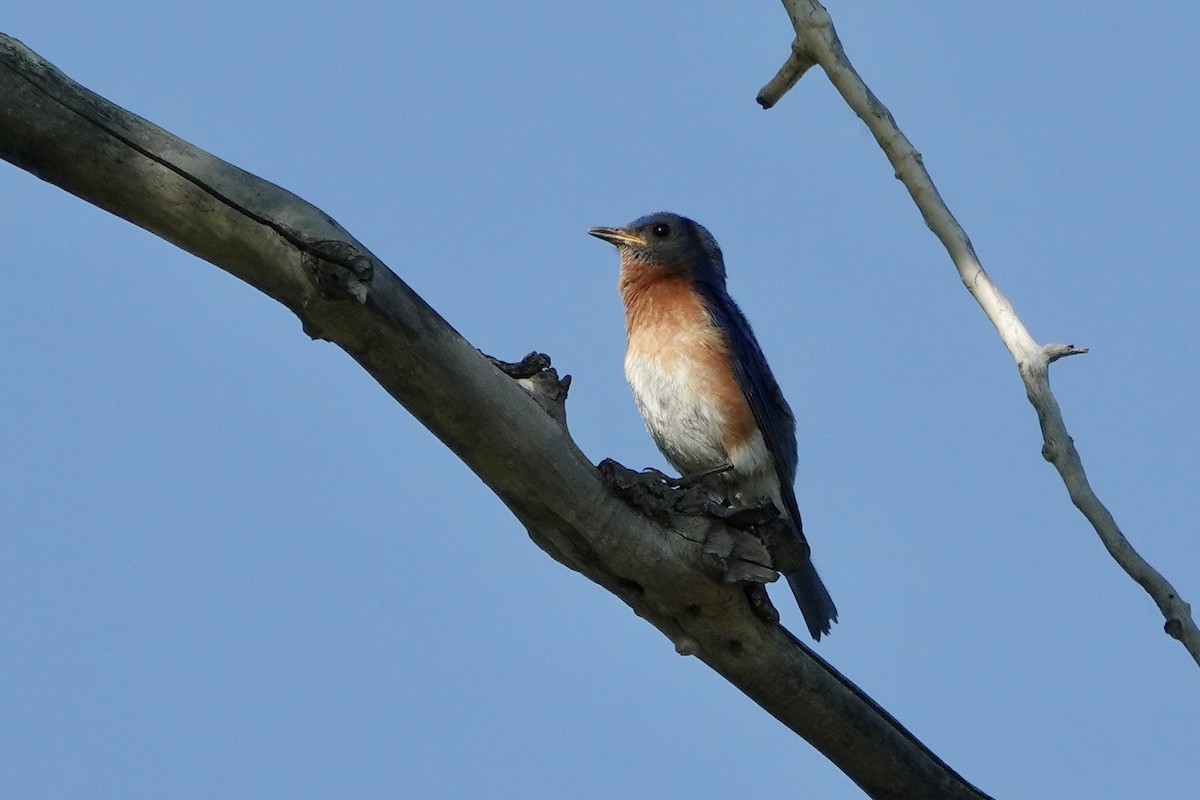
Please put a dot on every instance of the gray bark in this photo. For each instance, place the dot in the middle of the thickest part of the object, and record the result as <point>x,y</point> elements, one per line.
<point>687,577</point>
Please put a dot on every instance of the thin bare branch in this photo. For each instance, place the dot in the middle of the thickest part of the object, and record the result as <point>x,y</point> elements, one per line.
<point>788,76</point>
<point>817,41</point>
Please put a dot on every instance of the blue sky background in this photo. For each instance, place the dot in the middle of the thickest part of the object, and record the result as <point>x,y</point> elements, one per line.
<point>232,567</point>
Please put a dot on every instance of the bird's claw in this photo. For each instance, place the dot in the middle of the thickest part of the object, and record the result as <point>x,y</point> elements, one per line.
<point>685,481</point>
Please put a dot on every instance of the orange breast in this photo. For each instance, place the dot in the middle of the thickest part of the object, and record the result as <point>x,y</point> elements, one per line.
<point>670,331</point>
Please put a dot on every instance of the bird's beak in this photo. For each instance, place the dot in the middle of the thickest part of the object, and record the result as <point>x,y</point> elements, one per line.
<point>618,236</point>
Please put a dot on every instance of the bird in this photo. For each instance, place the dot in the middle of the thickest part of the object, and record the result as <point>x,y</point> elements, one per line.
<point>702,384</point>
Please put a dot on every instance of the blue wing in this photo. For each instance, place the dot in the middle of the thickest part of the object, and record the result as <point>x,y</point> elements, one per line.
<point>778,426</point>
<point>771,411</point>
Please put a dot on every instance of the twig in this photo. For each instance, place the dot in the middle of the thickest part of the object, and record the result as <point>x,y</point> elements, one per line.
<point>817,42</point>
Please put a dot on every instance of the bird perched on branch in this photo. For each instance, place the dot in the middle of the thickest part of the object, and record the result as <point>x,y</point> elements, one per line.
<point>701,382</point>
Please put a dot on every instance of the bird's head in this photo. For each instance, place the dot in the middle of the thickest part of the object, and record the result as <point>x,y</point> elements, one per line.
<point>667,242</point>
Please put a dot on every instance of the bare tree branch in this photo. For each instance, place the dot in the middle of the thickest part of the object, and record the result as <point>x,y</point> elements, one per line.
<point>817,42</point>
<point>686,577</point>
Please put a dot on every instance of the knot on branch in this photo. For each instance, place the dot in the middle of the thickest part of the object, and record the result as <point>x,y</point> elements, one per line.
<point>1053,352</point>
<point>749,544</point>
<point>799,62</point>
<point>340,270</point>
<point>536,376</point>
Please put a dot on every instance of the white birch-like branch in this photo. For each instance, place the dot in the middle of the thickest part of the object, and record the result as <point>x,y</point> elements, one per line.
<point>817,42</point>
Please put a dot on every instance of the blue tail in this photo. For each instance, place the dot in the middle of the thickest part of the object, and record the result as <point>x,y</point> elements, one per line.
<point>815,603</point>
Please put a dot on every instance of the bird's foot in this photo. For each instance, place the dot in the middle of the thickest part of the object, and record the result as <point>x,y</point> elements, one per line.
<point>688,481</point>
<point>660,476</point>
<point>684,481</point>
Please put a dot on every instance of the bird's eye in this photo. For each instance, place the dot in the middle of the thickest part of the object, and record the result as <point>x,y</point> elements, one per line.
<point>662,230</point>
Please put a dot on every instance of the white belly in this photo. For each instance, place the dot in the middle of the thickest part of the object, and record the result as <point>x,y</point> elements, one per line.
<point>687,428</point>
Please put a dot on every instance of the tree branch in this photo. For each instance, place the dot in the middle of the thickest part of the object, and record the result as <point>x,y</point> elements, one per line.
<point>687,584</point>
<point>817,42</point>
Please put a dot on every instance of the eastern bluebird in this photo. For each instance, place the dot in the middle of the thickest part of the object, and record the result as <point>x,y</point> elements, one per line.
<point>701,382</point>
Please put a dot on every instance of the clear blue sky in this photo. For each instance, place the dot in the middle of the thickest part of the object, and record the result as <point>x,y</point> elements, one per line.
<point>232,567</point>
